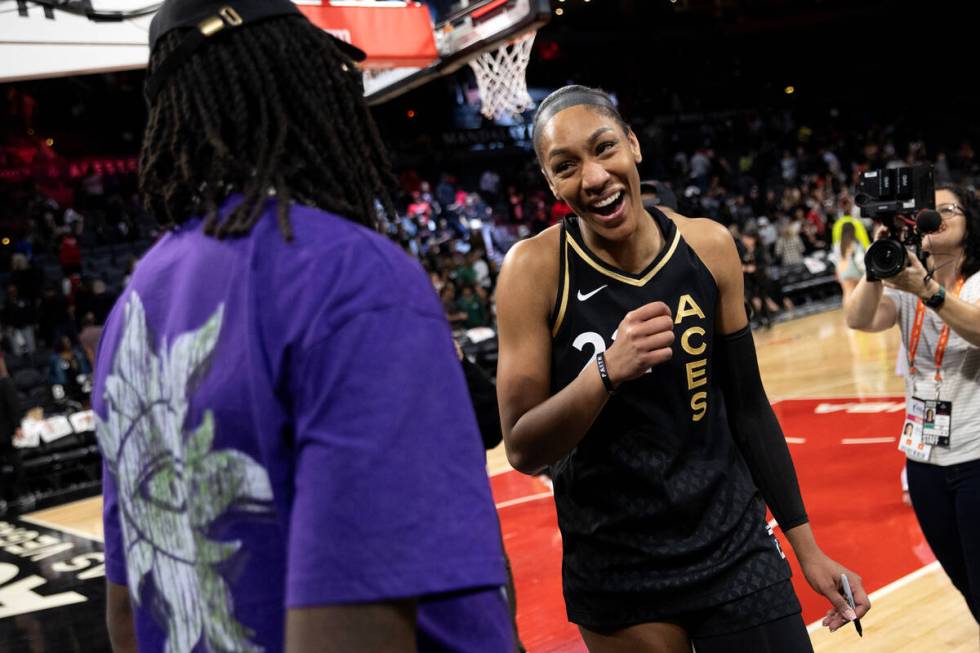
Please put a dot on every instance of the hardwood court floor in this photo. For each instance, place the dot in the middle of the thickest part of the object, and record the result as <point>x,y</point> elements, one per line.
<point>83,516</point>
<point>840,404</point>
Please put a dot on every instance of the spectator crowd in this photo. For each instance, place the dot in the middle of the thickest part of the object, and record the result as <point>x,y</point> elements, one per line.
<point>784,190</point>
<point>71,233</point>
<point>788,208</point>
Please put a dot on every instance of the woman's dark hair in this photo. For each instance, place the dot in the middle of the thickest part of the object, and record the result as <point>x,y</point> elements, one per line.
<point>971,211</point>
<point>271,109</point>
<point>569,96</point>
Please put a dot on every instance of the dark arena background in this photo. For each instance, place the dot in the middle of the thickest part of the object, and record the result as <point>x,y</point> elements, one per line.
<point>759,114</point>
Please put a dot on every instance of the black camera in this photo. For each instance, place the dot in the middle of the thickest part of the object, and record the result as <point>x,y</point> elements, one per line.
<point>904,200</point>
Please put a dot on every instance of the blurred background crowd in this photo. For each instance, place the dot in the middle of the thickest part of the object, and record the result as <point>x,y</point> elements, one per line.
<point>766,136</point>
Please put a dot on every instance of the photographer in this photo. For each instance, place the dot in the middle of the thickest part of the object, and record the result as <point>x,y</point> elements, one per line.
<point>938,313</point>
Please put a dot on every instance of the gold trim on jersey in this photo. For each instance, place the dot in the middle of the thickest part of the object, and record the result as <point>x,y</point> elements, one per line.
<point>642,281</point>
<point>564,293</point>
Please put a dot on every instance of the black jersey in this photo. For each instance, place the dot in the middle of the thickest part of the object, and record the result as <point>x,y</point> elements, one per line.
<point>657,509</point>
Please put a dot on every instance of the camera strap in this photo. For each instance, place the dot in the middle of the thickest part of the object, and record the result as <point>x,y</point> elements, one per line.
<point>914,337</point>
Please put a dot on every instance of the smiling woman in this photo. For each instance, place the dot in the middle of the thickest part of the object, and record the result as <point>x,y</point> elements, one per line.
<point>567,158</point>
<point>942,438</point>
<point>658,455</point>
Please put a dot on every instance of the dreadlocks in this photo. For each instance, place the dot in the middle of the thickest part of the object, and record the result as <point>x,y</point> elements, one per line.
<point>274,109</point>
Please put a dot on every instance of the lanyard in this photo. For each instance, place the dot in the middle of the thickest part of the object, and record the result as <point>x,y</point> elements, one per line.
<point>920,314</point>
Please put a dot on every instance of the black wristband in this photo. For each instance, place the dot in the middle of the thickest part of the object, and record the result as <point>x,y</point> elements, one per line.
<point>936,301</point>
<point>600,361</point>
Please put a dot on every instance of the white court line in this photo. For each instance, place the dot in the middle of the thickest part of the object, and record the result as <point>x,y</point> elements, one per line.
<point>888,589</point>
<point>57,527</point>
<point>796,440</point>
<point>866,440</point>
<point>531,497</point>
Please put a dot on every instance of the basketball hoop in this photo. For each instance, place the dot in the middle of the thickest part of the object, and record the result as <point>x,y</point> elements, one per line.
<point>501,78</point>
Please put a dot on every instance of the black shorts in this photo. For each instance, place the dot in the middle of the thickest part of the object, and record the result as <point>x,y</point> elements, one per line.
<point>766,606</point>
<point>784,635</point>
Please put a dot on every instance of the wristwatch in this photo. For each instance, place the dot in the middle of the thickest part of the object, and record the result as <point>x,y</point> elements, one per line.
<point>936,301</point>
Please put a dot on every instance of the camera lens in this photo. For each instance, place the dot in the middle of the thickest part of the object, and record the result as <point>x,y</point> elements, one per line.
<point>885,258</point>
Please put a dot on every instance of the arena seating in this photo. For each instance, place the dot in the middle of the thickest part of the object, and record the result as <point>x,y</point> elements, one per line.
<point>61,461</point>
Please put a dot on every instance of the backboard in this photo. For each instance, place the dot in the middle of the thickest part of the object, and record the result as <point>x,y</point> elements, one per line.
<point>468,29</point>
<point>408,43</point>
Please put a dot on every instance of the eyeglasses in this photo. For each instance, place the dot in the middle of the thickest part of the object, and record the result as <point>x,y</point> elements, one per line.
<point>947,211</point>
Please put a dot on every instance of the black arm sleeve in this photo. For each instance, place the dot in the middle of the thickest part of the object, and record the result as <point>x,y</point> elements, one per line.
<point>11,401</point>
<point>10,413</point>
<point>756,430</point>
<point>483,393</point>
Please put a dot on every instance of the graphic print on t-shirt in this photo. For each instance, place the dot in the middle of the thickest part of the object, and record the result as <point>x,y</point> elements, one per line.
<point>172,485</point>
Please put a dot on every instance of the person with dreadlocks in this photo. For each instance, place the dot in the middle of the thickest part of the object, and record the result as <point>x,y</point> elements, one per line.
<point>276,477</point>
<point>627,367</point>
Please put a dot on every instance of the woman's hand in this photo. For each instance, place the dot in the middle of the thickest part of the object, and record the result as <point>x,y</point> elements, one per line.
<point>824,574</point>
<point>643,339</point>
<point>912,279</point>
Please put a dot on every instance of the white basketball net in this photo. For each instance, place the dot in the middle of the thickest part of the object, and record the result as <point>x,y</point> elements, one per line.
<point>501,80</point>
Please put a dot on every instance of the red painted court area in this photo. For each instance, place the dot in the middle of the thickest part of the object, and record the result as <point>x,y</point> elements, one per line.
<point>846,456</point>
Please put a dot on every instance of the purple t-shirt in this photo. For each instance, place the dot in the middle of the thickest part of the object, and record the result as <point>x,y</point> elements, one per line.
<point>287,425</point>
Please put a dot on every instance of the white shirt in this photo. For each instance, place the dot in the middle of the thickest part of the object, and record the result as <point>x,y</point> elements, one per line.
<point>700,165</point>
<point>960,372</point>
<point>482,272</point>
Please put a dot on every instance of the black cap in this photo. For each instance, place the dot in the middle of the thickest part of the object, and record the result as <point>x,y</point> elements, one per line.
<point>209,18</point>
<point>665,196</point>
